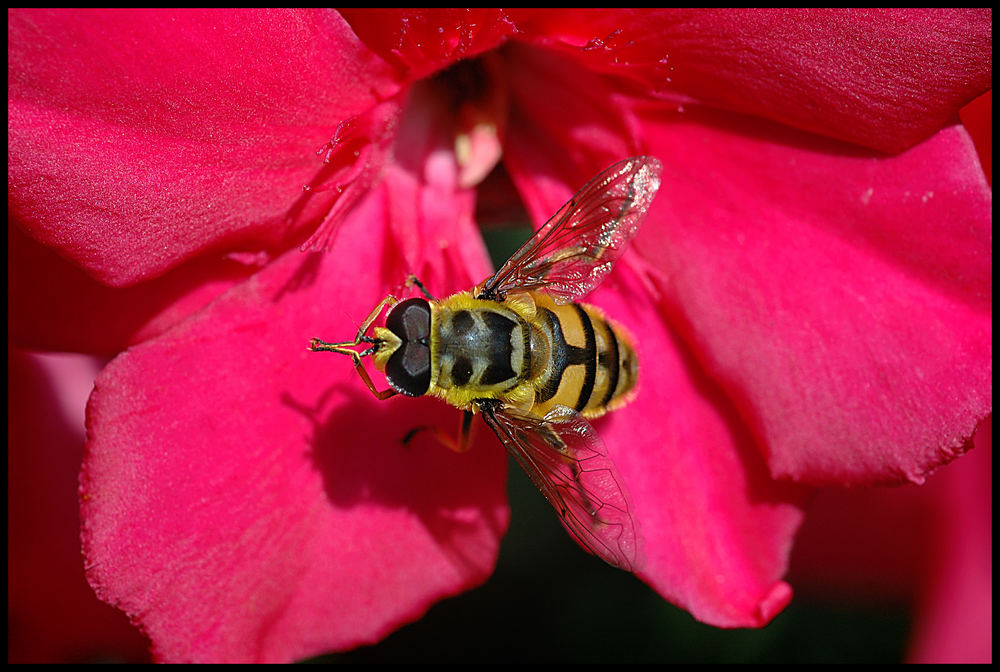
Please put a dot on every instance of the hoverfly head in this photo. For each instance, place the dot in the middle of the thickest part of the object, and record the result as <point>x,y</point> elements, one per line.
<point>402,348</point>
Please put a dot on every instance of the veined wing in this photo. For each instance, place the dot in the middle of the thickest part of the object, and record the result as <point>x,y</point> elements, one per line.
<point>567,461</point>
<point>573,252</point>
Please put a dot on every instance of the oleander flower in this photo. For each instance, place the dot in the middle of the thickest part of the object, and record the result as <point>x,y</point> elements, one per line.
<point>811,292</point>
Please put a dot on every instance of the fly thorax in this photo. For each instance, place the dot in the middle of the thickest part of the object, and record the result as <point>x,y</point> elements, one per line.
<point>482,349</point>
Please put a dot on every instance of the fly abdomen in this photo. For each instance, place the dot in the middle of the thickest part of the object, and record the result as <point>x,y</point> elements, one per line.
<point>591,366</point>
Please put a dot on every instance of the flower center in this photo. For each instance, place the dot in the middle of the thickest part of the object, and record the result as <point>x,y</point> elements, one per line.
<point>475,93</point>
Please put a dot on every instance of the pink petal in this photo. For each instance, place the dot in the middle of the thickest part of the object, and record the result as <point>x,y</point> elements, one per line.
<point>55,305</point>
<point>140,139</point>
<point>245,499</point>
<point>52,614</point>
<point>420,41</point>
<point>547,154</point>
<point>843,300</point>
<point>717,529</point>
<point>884,78</point>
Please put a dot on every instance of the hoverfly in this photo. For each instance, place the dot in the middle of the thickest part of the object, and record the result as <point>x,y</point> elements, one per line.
<point>536,364</point>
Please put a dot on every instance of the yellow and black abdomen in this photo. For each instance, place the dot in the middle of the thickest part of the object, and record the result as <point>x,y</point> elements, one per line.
<point>591,365</point>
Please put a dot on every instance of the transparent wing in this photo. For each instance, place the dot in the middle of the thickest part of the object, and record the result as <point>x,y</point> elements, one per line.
<point>570,255</point>
<point>567,461</point>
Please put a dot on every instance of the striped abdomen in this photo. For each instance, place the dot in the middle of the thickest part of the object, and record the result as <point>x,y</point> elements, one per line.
<point>590,365</point>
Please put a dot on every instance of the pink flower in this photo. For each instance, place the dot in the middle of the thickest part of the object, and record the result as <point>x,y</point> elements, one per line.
<point>811,292</point>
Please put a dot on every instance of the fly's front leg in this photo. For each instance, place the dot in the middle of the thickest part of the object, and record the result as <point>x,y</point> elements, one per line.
<point>317,345</point>
<point>381,395</point>
<point>345,348</point>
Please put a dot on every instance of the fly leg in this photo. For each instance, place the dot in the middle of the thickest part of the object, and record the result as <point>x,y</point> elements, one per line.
<point>345,348</point>
<point>412,280</point>
<point>459,444</point>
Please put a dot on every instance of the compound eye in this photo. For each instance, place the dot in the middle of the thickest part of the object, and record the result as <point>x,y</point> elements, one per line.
<point>410,320</point>
<point>409,369</point>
